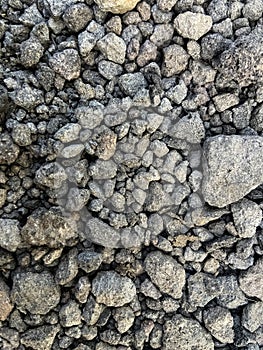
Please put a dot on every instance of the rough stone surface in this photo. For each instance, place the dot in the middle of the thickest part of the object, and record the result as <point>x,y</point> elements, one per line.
<point>185,334</point>
<point>35,292</point>
<point>10,237</point>
<point>175,60</point>
<point>252,316</point>
<point>40,338</point>
<point>238,170</point>
<point>118,6</point>
<point>66,63</point>
<point>5,302</point>
<point>247,217</point>
<point>219,322</point>
<point>251,281</point>
<point>113,47</point>
<point>8,150</point>
<point>165,273</point>
<point>112,289</point>
<point>48,227</point>
<point>192,25</point>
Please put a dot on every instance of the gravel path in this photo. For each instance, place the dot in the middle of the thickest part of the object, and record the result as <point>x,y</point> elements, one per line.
<point>131,174</point>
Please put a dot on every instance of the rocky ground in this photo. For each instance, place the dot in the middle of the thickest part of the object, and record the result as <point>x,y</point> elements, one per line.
<point>131,174</point>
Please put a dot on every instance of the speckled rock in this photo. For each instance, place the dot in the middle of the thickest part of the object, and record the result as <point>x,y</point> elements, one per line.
<point>116,6</point>
<point>112,289</point>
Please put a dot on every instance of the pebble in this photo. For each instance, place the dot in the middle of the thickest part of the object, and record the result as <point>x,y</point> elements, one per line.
<point>70,314</point>
<point>219,322</point>
<point>175,60</point>
<point>40,338</point>
<point>112,289</point>
<point>247,217</point>
<point>66,63</point>
<point>113,48</point>
<point>8,150</point>
<point>251,282</point>
<point>116,6</point>
<point>165,273</point>
<point>31,51</point>
<point>10,236</point>
<point>184,333</point>
<point>192,25</point>
<point>5,303</point>
<point>35,292</point>
<point>77,17</point>
<point>131,83</point>
<point>238,170</point>
<point>252,316</point>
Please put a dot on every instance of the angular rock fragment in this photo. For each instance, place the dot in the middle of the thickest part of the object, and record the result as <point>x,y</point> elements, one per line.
<point>70,314</point>
<point>251,281</point>
<point>27,97</point>
<point>51,175</point>
<point>113,47</point>
<point>40,338</point>
<point>112,289</point>
<point>8,150</point>
<point>219,322</point>
<point>48,227</point>
<point>243,61</point>
<point>232,168</point>
<point>247,217</point>
<point>252,317</point>
<point>31,52</point>
<point>77,16</point>
<point>189,128</point>
<point>66,63</point>
<point>10,237</point>
<point>131,83</point>
<point>225,101</point>
<point>5,302</point>
<point>175,60</point>
<point>165,273</point>
<point>192,25</point>
<point>183,333</point>
<point>116,6</point>
<point>35,292</point>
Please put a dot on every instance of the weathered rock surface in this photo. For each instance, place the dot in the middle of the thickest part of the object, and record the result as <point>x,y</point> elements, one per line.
<point>165,273</point>
<point>35,292</point>
<point>116,6</point>
<point>112,289</point>
<point>10,236</point>
<point>186,334</point>
<point>192,25</point>
<point>5,302</point>
<point>232,168</point>
<point>251,281</point>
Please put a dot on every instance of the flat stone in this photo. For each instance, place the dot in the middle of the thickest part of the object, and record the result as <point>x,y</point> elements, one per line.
<point>232,168</point>
<point>35,292</point>
<point>116,6</point>
<point>10,237</point>
<point>5,303</point>
<point>225,101</point>
<point>66,63</point>
<point>219,322</point>
<point>112,289</point>
<point>165,273</point>
<point>183,333</point>
<point>247,217</point>
<point>40,338</point>
<point>251,281</point>
<point>192,25</point>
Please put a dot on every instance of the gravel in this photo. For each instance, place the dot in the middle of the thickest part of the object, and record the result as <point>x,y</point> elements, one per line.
<point>131,181</point>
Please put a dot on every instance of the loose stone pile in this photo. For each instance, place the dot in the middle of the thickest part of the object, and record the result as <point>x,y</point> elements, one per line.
<point>131,179</point>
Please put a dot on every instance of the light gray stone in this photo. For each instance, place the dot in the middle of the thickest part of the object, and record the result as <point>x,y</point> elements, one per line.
<point>113,47</point>
<point>192,25</point>
<point>219,322</point>
<point>116,6</point>
<point>131,83</point>
<point>35,292</point>
<point>66,63</point>
<point>247,217</point>
<point>189,128</point>
<point>251,281</point>
<point>232,167</point>
<point>10,236</point>
<point>175,60</point>
<point>252,316</point>
<point>165,273</point>
<point>183,333</point>
<point>6,305</point>
<point>112,289</point>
